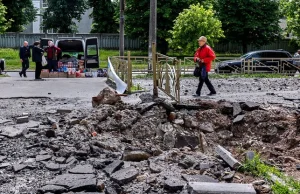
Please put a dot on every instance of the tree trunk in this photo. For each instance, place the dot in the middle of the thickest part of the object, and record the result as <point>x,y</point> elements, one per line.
<point>245,50</point>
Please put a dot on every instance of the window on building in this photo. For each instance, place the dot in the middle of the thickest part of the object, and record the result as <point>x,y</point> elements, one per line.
<point>45,3</point>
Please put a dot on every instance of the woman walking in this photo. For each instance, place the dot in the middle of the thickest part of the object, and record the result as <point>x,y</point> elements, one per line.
<point>204,56</point>
<point>37,54</point>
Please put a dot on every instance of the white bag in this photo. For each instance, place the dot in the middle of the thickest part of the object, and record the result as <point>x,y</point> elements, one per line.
<point>44,61</point>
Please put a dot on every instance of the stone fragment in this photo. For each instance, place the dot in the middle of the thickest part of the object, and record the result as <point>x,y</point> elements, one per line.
<point>2,158</point>
<point>225,134</point>
<point>52,189</point>
<point>238,119</point>
<point>11,131</point>
<point>125,175</point>
<point>40,158</point>
<point>4,165</point>
<point>258,182</point>
<point>199,178</point>
<point>74,122</point>
<point>227,108</point>
<point>205,166</point>
<point>19,167</point>
<point>227,157</point>
<point>60,160</point>
<point>236,109</point>
<point>169,139</point>
<point>52,166</point>
<point>206,127</point>
<point>21,120</point>
<point>168,106</point>
<point>174,185</point>
<point>136,156</point>
<point>186,141</point>
<point>63,111</point>
<point>106,96</point>
<point>229,176</point>
<point>50,133</point>
<point>250,106</point>
<point>82,169</point>
<point>249,155</point>
<point>113,167</point>
<point>155,168</point>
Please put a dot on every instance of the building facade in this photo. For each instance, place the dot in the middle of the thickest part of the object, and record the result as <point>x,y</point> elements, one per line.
<point>84,26</point>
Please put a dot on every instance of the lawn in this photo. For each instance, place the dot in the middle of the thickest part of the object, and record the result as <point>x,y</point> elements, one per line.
<point>13,62</point>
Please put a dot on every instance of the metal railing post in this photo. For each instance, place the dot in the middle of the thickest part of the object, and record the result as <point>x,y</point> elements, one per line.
<point>129,73</point>
<point>155,90</point>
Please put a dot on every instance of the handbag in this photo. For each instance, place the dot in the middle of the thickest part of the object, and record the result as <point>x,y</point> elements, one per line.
<point>44,61</point>
<point>197,71</point>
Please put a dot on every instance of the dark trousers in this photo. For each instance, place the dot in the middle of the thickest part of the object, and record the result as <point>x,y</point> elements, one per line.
<point>25,66</point>
<point>52,65</point>
<point>38,69</point>
<point>204,79</point>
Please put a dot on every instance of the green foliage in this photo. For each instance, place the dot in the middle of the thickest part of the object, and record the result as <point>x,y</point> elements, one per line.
<point>258,168</point>
<point>137,15</point>
<point>60,15</point>
<point>291,10</point>
<point>191,24</point>
<point>103,16</point>
<point>20,13</point>
<point>4,23</point>
<point>249,22</point>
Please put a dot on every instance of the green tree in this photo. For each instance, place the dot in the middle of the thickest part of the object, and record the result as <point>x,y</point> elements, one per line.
<point>137,19</point>
<point>291,10</point>
<point>191,24</point>
<point>249,22</point>
<point>60,15</point>
<point>4,24</point>
<point>103,16</point>
<point>20,13</point>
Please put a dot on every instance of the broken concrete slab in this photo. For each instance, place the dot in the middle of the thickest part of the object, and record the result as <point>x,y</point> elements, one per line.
<point>199,178</point>
<point>227,157</point>
<point>4,165</point>
<point>63,111</point>
<point>106,96</point>
<point>173,184</point>
<point>52,189</point>
<point>82,169</point>
<point>186,141</point>
<point>125,175</point>
<point>2,158</point>
<point>20,120</point>
<point>19,167</point>
<point>250,106</point>
<point>40,158</point>
<point>238,119</point>
<point>237,110</point>
<point>113,167</point>
<point>220,188</point>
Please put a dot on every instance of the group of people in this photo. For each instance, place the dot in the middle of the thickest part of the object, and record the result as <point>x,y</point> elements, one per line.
<point>37,57</point>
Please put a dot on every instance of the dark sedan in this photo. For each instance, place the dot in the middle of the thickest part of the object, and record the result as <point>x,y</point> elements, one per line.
<point>260,61</point>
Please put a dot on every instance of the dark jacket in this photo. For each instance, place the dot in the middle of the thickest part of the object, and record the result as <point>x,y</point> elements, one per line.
<point>24,52</point>
<point>37,54</point>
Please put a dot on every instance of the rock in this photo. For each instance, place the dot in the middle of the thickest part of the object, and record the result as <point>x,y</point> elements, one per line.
<point>154,168</point>
<point>266,188</point>
<point>19,167</point>
<point>53,123</point>
<point>125,176</point>
<point>60,160</point>
<point>113,167</point>
<point>250,106</point>
<point>106,96</point>
<point>100,185</point>
<point>136,156</point>
<point>206,127</point>
<point>4,165</point>
<point>40,158</point>
<point>113,189</point>
<point>74,122</point>
<point>71,159</point>
<point>169,139</point>
<point>220,188</point>
<point>172,116</point>
<point>50,133</point>
<point>52,189</point>
<point>174,185</point>
<point>238,119</point>
<point>227,108</point>
<point>146,98</point>
<point>2,158</point>
<point>168,106</point>
<point>236,109</point>
<point>179,121</point>
<point>82,169</point>
<point>63,111</point>
<point>186,141</point>
<point>11,131</point>
<point>100,163</point>
<point>229,176</point>
<point>52,166</point>
<point>199,178</point>
<point>141,178</point>
<point>21,120</point>
<point>225,134</point>
<point>76,182</point>
<point>249,155</point>
<point>187,162</point>
<point>258,182</point>
<point>205,166</point>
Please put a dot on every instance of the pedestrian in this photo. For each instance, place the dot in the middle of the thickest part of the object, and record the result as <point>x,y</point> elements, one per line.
<point>204,57</point>
<point>297,54</point>
<point>37,54</point>
<point>52,52</point>
<point>24,54</point>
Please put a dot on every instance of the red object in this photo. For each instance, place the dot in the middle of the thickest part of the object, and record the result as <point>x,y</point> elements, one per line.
<point>51,51</point>
<point>206,54</point>
<point>94,134</point>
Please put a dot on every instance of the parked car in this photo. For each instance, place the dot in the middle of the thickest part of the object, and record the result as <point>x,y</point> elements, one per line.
<point>267,62</point>
<point>85,49</point>
<point>2,65</point>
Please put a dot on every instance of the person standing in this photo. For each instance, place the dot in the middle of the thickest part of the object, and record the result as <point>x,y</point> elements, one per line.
<point>24,55</point>
<point>297,54</point>
<point>37,54</point>
<point>52,52</point>
<point>204,56</point>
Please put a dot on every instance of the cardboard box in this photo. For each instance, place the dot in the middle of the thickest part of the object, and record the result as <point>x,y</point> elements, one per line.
<point>53,75</point>
<point>44,73</point>
<point>72,75</point>
<point>62,75</point>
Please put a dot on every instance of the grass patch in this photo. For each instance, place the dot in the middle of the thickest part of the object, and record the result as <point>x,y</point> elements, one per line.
<point>258,168</point>
<point>3,75</point>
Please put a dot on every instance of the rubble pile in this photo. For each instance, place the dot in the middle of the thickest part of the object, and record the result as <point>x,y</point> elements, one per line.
<point>151,147</point>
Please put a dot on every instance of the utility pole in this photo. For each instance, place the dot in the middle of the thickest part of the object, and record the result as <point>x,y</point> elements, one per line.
<point>152,29</point>
<point>122,22</point>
